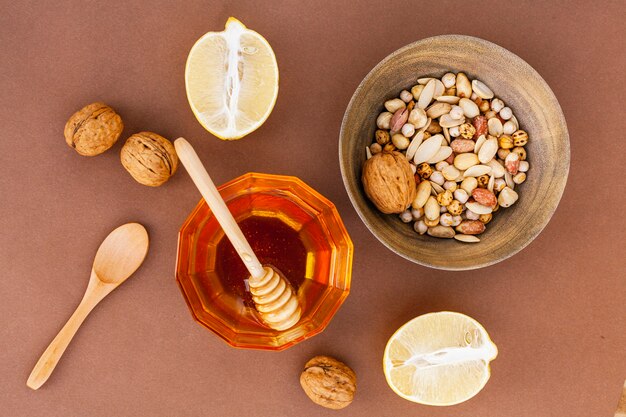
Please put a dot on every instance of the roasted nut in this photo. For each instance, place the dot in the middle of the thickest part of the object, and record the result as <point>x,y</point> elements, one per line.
<point>431,223</point>
<point>485,218</point>
<point>443,232</point>
<point>484,197</point>
<point>149,158</point>
<point>437,178</point>
<point>467,130</point>
<point>463,86</point>
<point>520,138</point>
<point>394,105</point>
<point>462,145</point>
<point>424,170</point>
<point>434,127</point>
<point>505,142</point>
<point>388,182</point>
<point>398,120</point>
<point>461,195</point>
<point>465,160</point>
<point>406,96</point>
<point>503,153</point>
<point>420,227</point>
<point>471,227</point>
<point>431,208</point>
<point>455,207</point>
<point>406,216</point>
<point>520,151</point>
<point>93,129</point>
<point>480,124</point>
<point>519,178</point>
<point>446,219</point>
<point>507,197</point>
<point>384,119</point>
<point>445,198</point>
<point>375,148</point>
<point>389,147</point>
<point>482,181</point>
<point>511,163</point>
<point>382,137</point>
<point>328,382</point>
<point>422,194</point>
<point>416,90</point>
<point>408,130</point>
<point>400,141</point>
<point>418,118</point>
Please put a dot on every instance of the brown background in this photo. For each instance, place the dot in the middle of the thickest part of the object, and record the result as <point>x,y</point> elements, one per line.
<point>556,310</point>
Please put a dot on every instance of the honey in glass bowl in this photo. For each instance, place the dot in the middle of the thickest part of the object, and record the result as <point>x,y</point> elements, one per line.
<point>290,227</point>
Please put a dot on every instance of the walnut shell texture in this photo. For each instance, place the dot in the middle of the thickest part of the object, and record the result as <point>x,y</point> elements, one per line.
<point>149,158</point>
<point>93,129</point>
<point>328,382</point>
<point>389,182</point>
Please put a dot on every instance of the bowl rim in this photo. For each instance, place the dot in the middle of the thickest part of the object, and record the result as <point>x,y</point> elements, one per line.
<point>457,38</point>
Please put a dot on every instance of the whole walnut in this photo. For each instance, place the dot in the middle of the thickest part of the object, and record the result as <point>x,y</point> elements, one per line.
<point>93,129</point>
<point>328,382</point>
<point>389,182</point>
<point>149,158</point>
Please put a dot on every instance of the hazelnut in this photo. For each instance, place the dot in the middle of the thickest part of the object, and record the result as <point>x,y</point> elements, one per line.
<point>149,158</point>
<point>93,129</point>
<point>328,382</point>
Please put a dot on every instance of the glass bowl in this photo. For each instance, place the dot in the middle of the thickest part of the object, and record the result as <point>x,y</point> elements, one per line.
<point>291,227</point>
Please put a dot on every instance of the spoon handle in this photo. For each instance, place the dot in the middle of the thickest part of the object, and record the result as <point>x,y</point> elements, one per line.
<point>50,357</point>
<point>207,188</point>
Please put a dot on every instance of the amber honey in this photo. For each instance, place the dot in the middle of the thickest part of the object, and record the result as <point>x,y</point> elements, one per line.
<point>291,228</point>
<point>283,235</point>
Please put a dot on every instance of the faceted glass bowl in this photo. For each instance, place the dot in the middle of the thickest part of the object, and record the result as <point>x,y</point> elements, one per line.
<point>327,267</point>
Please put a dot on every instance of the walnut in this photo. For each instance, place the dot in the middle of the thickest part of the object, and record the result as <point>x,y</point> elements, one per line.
<point>93,129</point>
<point>328,382</point>
<point>149,158</point>
<point>389,182</point>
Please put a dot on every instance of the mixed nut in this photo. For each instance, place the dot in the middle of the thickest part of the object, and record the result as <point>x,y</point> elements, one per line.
<point>464,149</point>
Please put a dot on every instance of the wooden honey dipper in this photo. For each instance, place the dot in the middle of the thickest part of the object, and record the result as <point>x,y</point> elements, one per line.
<point>273,296</point>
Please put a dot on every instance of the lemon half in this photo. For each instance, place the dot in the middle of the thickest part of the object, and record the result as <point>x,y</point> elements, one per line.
<point>439,359</point>
<point>231,79</point>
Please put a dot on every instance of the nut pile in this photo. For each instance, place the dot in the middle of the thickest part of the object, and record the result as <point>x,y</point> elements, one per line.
<point>464,148</point>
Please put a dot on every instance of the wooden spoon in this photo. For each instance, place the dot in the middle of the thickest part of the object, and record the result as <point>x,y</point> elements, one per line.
<point>273,296</point>
<point>119,255</point>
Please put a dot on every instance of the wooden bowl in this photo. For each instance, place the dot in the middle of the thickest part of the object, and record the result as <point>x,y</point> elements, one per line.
<point>537,111</point>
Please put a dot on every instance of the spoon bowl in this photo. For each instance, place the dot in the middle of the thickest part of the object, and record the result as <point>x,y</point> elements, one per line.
<point>121,253</point>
